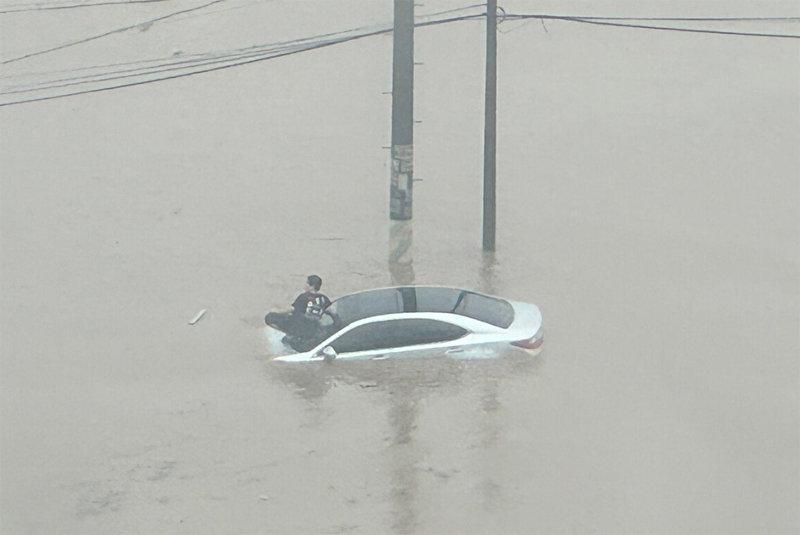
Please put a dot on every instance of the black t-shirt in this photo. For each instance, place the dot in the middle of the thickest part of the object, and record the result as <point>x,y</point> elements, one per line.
<point>310,305</point>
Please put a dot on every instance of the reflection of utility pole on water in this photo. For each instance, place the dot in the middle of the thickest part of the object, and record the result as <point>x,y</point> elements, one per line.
<point>404,456</point>
<point>401,262</point>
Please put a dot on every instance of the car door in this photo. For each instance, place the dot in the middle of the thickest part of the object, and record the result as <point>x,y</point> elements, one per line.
<point>396,336</point>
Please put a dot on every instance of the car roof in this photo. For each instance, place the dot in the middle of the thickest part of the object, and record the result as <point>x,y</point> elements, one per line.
<point>412,299</point>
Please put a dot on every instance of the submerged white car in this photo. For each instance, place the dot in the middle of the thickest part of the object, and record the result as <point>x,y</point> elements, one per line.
<point>407,320</point>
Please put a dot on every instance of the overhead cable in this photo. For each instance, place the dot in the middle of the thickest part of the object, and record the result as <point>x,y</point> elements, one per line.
<point>207,63</point>
<point>653,19</point>
<point>150,71</point>
<point>602,21</point>
<point>111,32</point>
<point>229,63</point>
<point>42,6</point>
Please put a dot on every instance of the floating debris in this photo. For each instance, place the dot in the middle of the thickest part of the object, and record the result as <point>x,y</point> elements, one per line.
<point>198,316</point>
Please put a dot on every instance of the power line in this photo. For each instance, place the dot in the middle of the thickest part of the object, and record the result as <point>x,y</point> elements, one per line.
<point>186,59</point>
<point>604,21</point>
<point>111,32</point>
<point>237,57</point>
<point>228,65</point>
<point>464,8</point>
<point>234,61</point>
<point>22,8</point>
<point>672,19</point>
<point>41,6</point>
<point>165,66</point>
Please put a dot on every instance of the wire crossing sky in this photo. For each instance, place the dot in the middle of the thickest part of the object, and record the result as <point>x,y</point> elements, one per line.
<point>46,6</point>
<point>34,87</point>
<point>624,22</point>
<point>105,34</point>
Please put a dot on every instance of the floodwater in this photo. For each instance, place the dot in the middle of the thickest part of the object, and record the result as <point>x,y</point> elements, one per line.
<point>648,194</point>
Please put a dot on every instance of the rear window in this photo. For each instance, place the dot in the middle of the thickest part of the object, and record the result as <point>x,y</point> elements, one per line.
<point>487,309</point>
<point>491,310</point>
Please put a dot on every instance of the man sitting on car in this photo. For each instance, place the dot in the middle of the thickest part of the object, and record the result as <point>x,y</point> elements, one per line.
<point>301,322</point>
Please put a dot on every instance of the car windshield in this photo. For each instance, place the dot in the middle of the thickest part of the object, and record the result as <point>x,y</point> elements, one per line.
<point>370,303</point>
<point>361,305</point>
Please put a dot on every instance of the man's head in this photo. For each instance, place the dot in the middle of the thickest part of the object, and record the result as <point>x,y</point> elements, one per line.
<point>314,282</point>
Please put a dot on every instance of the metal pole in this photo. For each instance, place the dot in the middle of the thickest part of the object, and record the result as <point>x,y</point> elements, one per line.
<point>490,128</point>
<point>402,180</point>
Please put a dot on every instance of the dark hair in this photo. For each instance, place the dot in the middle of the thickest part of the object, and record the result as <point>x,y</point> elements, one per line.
<point>315,281</point>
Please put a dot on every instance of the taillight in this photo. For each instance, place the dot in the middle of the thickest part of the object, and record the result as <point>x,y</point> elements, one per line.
<point>534,342</point>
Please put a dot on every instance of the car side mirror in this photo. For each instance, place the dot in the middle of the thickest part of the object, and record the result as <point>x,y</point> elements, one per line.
<point>328,354</point>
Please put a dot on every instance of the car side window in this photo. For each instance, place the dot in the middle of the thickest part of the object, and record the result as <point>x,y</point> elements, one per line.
<point>396,333</point>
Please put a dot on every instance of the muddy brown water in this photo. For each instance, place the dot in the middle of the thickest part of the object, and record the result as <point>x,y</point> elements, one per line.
<point>647,201</point>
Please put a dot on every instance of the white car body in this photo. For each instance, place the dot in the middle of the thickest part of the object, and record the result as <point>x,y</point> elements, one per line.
<point>509,322</point>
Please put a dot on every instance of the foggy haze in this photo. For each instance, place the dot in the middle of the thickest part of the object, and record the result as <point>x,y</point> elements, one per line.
<point>647,201</point>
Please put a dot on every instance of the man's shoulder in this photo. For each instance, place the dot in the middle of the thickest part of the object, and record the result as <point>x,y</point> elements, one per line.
<point>302,298</point>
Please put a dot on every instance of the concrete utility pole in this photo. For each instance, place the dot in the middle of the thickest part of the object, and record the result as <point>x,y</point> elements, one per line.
<point>402,178</point>
<point>490,128</point>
